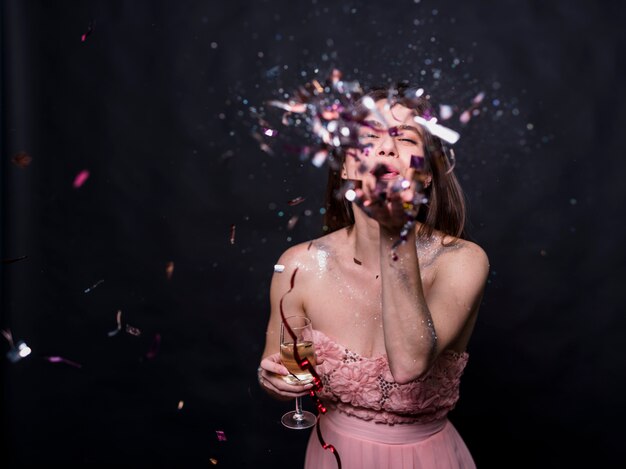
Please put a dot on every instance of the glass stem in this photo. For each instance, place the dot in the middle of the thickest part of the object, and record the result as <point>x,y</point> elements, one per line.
<point>298,414</point>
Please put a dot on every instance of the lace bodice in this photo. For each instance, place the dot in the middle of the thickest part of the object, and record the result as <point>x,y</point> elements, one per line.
<point>364,387</point>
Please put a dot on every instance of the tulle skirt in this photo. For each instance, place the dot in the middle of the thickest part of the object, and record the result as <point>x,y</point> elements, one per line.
<point>367,445</point>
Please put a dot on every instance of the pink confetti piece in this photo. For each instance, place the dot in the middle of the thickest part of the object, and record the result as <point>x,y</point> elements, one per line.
<point>154,348</point>
<point>119,324</point>
<point>478,98</point>
<point>298,200</point>
<point>80,178</point>
<point>232,234</point>
<point>84,36</point>
<point>220,435</point>
<point>180,404</point>
<point>213,461</point>
<point>63,360</point>
<point>132,330</point>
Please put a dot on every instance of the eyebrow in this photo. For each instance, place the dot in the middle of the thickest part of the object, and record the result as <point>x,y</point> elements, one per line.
<point>378,125</point>
<point>372,123</point>
<point>409,127</point>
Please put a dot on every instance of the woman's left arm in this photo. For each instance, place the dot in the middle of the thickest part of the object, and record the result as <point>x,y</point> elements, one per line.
<point>417,328</point>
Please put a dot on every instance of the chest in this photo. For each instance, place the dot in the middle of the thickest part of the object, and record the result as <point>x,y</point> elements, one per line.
<point>348,307</point>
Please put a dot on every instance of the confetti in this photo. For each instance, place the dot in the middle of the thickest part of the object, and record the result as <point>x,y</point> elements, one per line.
<point>232,234</point>
<point>473,110</point>
<point>296,201</point>
<point>445,112</point>
<point>154,348</point>
<point>11,261</point>
<point>220,435</point>
<point>180,404</point>
<point>119,324</point>
<point>213,461</point>
<point>292,222</point>
<point>356,261</point>
<point>169,269</point>
<point>63,360</point>
<point>84,37</point>
<point>17,351</point>
<point>22,159</point>
<point>438,130</point>
<point>132,330</point>
<point>87,290</point>
<point>21,350</point>
<point>80,178</point>
<point>279,268</point>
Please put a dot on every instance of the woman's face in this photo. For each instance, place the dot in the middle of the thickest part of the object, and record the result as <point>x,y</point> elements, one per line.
<point>392,137</point>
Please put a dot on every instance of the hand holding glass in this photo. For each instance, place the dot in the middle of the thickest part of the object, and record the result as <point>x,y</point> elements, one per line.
<point>303,330</point>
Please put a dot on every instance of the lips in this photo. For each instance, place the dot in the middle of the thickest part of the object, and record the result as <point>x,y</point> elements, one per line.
<point>384,172</point>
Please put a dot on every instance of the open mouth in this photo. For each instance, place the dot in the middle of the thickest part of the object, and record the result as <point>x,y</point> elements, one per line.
<point>384,172</point>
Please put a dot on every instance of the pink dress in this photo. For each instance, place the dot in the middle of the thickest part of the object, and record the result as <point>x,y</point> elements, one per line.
<point>374,422</point>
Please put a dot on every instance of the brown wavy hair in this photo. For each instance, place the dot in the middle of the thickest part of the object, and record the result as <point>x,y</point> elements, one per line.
<point>445,210</point>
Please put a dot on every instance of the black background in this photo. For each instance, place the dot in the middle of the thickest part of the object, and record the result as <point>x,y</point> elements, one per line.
<point>155,105</point>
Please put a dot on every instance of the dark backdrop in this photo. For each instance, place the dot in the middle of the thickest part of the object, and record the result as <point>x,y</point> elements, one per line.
<point>155,104</point>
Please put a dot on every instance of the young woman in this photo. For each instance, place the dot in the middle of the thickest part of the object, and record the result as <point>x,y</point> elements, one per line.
<point>392,322</point>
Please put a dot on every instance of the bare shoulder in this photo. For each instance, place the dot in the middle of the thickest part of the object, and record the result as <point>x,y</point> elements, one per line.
<point>464,257</point>
<point>312,255</point>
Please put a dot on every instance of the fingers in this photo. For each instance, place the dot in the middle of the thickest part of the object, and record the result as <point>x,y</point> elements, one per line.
<point>275,384</point>
<point>270,375</point>
<point>272,365</point>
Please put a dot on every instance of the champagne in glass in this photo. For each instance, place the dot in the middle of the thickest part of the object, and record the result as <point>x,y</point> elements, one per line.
<point>305,351</point>
<point>303,330</point>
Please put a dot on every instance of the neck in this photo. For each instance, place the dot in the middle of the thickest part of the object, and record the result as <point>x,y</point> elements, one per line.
<point>366,235</point>
<point>366,239</point>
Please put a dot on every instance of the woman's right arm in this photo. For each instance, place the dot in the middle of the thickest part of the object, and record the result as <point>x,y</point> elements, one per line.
<point>271,371</point>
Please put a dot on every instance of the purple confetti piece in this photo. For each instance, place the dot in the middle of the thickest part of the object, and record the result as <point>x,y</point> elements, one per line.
<point>62,360</point>
<point>220,435</point>
<point>417,162</point>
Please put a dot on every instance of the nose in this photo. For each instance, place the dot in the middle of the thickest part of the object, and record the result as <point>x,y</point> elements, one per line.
<point>386,146</point>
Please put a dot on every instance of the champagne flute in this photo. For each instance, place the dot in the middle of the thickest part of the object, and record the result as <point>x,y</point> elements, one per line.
<point>301,326</point>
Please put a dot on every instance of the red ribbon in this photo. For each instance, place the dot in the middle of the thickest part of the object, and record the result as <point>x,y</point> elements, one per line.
<point>305,365</point>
